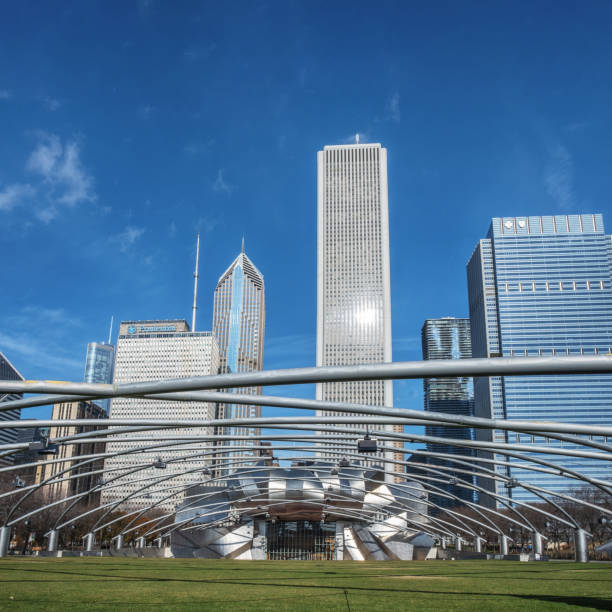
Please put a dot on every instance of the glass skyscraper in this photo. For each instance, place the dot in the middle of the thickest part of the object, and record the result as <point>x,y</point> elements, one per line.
<point>239,319</point>
<point>542,286</point>
<point>99,364</point>
<point>448,338</point>
<point>353,286</point>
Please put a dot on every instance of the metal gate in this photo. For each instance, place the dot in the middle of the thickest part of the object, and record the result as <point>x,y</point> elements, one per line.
<point>300,540</point>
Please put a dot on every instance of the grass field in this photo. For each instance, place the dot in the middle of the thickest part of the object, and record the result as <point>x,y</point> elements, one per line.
<point>193,584</point>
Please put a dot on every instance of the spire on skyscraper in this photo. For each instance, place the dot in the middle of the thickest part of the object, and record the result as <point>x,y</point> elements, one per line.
<point>195,285</point>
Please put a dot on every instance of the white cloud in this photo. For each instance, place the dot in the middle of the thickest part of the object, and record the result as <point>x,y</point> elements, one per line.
<point>51,104</point>
<point>207,224</point>
<point>559,176</point>
<point>145,111</point>
<point>46,343</point>
<point>393,108</point>
<point>56,316</point>
<point>352,139</point>
<point>40,354</point>
<point>15,194</point>
<point>5,94</point>
<point>60,167</point>
<point>128,237</point>
<point>196,53</point>
<point>221,185</point>
<point>199,147</point>
<point>46,215</point>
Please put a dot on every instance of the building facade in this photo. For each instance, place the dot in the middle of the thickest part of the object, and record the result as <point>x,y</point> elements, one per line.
<point>353,276</point>
<point>449,338</point>
<point>79,479</point>
<point>239,320</point>
<point>542,286</point>
<point>159,350</point>
<point>99,364</point>
<point>8,436</point>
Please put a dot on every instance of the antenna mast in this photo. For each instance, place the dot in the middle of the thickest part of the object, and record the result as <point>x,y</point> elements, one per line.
<point>110,331</point>
<point>195,285</point>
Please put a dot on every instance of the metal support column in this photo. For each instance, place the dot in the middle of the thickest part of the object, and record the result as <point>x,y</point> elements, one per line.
<point>458,542</point>
<point>140,542</point>
<point>119,541</point>
<point>503,545</point>
<point>5,536</point>
<point>443,543</point>
<point>89,542</point>
<point>52,545</point>
<point>477,544</point>
<point>537,543</point>
<point>582,551</point>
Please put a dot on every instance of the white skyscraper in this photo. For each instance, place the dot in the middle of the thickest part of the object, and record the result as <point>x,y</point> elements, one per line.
<point>156,350</point>
<point>354,294</point>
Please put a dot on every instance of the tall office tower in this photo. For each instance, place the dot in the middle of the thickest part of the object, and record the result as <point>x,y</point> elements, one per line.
<point>239,319</point>
<point>542,286</point>
<point>29,455</point>
<point>79,479</point>
<point>99,367</point>
<point>156,350</point>
<point>449,338</point>
<point>8,436</point>
<point>353,281</point>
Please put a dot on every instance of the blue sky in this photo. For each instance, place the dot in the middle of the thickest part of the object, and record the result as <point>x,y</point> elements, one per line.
<point>125,126</point>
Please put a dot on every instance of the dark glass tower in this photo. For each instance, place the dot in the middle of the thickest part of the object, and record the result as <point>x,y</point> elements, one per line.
<point>8,436</point>
<point>448,338</point>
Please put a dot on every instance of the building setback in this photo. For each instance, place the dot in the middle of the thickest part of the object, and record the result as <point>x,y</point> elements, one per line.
<point>81,479</point>
<point>160,350</point>
<point>448,338</point>
<point>9,436</point>
<point>542,286</point>
<point>353,279</point>
<point>239,319</point>
<point>99,367</point>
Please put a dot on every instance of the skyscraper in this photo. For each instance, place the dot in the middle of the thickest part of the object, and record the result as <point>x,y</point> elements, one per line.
<point>542,286</point>
<point>160,350</point>
<point>448,338</point>
<point>99,364</point>
<point>239,319</point>
<point>7,436</point>
<point>70,453</point>
<point>353,279</point>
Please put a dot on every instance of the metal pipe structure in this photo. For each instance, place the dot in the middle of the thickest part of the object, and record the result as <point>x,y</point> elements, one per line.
<point>334,436</point>
<point>582,549</point>
<point>5,536</point>
<point>503,545</point>
<point>52,544</point>
<point>89,541</point>
<point>498,366</point>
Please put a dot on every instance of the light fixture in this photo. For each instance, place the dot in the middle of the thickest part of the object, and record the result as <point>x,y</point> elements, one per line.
<point>366,445</point>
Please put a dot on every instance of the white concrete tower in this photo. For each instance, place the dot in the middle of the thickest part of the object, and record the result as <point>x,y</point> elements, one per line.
<point>158,350</point>
<point>353,292</point>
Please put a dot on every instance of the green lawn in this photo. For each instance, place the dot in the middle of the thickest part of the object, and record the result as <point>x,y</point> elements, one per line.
<point>193,584</point>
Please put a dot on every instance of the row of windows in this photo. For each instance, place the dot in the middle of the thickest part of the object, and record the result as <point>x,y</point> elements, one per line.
<point>561,286</point>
